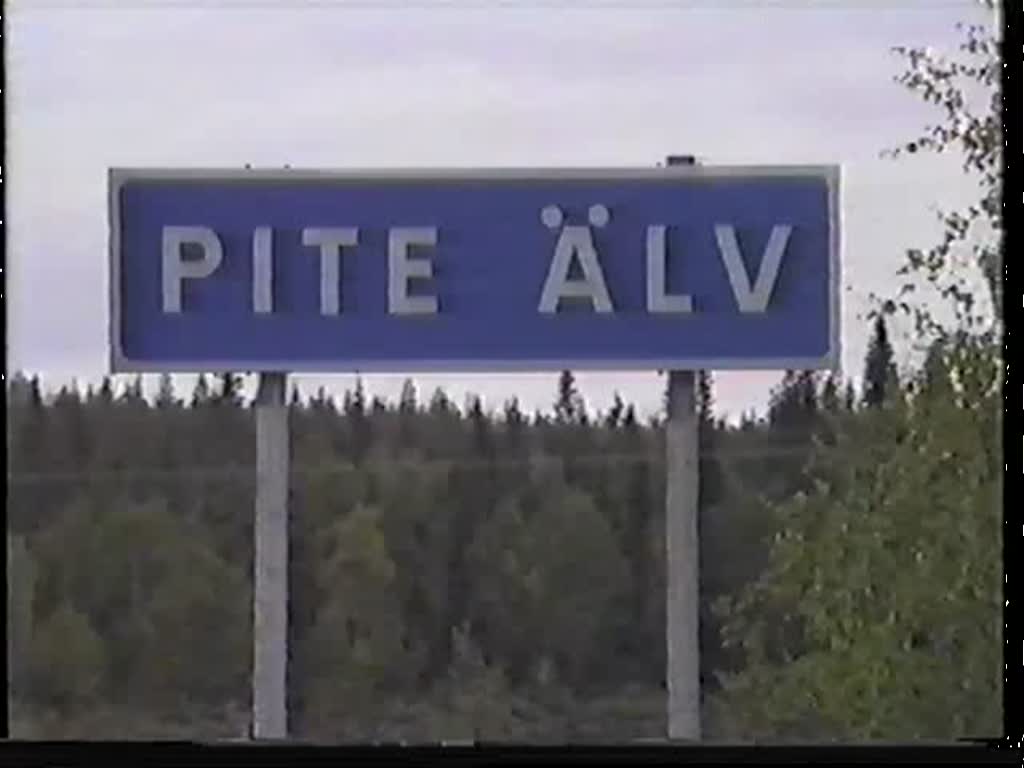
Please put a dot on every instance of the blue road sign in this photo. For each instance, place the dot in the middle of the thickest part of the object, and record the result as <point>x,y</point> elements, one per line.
<point>656,268</point>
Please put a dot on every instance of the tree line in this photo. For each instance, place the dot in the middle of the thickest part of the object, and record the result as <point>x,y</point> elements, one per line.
<point>455,572</point>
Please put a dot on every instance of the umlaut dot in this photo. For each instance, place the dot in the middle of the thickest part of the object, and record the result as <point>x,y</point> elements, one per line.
<point>598,215</point>
<point>551,216</point>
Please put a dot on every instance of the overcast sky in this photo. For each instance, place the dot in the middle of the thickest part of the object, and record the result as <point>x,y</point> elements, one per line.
<point>92,85</point>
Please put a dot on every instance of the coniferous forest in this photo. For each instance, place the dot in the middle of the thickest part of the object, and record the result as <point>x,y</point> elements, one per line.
<point>478,573</point>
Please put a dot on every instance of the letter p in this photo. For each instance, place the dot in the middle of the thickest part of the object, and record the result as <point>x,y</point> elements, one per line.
<point>176,268</point>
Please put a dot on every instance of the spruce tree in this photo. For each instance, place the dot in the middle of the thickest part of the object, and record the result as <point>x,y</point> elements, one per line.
<point>407,410</point>
<point>359,397</point>
<point>879,369</point>
<point>200,393</point>
<point>830,395</point>
<point>785,405</point>
<point>630,420</point>
<point>133,392</point>
<point>228,392</point>
<point>36,389</point>
<point>614,416</point>
<point>513,416</point>
<point>710,471</point>
<point>165,393</point>
<point>355,412</point>
<point>849,397</point>
<point>568,406</point>
<point>439,402</point>
<point>323,402</point>
<point>106,394</point>
<point>807,386</point>
<point>407,398</point>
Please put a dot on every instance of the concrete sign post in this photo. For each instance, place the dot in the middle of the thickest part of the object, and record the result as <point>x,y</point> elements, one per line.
<point>270,561</point>
<point>678,268</point>
<point>682,558</point>
<point>682,549</point>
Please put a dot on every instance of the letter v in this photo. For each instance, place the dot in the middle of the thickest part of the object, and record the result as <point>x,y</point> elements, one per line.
<point>752,299</point>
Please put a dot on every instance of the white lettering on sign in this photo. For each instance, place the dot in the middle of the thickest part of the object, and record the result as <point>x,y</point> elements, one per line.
<point>752,299</point>
<point>577,242</point>
<point>658,300</point>
<point>402,269</point>
<point>574,243</point>
<point>176,268</point>
<point>263,271</point>
<point>330,241</point>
